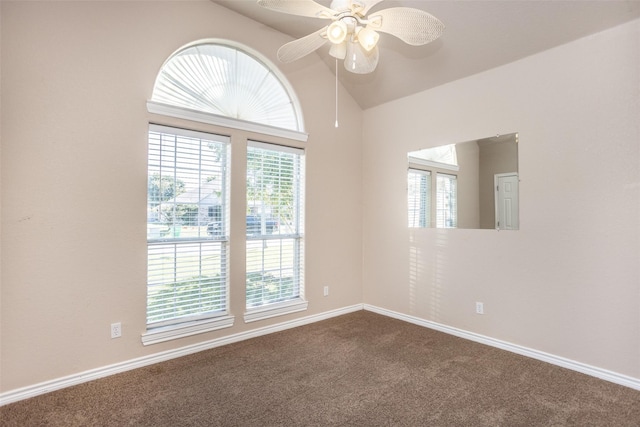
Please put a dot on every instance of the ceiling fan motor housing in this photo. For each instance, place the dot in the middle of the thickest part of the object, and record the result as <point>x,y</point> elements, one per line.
<point>344,5</point>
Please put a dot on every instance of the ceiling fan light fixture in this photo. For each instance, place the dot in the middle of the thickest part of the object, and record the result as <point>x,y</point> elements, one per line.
<point>368,38</point>
<point>337,32</point>
<point>338,51</point>
<point>358,60</point>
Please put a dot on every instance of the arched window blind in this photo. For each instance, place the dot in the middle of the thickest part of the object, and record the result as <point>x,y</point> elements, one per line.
<point>224,79</point>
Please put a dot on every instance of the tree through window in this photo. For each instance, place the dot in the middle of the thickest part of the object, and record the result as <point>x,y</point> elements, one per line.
<point>275,183</point>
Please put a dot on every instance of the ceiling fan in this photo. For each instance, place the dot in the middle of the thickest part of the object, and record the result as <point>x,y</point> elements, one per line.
<point>352,33</point>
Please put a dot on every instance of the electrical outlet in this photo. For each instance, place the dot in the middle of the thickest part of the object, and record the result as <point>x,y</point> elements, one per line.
<point>326,291</point>
<point>479,308</point>
<point>116,330</point>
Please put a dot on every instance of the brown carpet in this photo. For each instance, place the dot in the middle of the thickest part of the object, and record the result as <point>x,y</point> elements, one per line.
<point>360,369</point>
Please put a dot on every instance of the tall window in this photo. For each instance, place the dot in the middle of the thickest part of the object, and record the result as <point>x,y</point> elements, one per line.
<point>419,198</point>
<point>446,201</point>
<point>274,224</point>
<point>187,226</point>
<point>221,83</point>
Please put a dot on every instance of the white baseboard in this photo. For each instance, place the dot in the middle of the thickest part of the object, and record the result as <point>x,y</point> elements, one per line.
<point>82,377</point>
<point>593,371</point>
<point>93,374</point>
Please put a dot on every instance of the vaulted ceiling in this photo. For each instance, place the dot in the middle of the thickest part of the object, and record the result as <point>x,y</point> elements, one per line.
<point>479,35</point>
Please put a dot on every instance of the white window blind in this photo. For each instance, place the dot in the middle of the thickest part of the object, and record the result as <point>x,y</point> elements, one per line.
<point>187,226</point>
<point>446,201</point>
<point>419,198</point>
<point>275,197</point>
<point>229,80</point>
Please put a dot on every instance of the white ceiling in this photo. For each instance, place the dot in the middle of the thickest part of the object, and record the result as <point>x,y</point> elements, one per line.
<point>479,35</point>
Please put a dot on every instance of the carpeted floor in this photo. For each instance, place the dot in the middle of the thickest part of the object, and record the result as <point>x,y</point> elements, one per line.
<point>360,369</point>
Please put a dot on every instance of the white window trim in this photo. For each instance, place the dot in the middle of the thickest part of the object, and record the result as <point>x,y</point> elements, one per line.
<point>278,147</point>
<point>162,334</point>
<point>432,164</point>
<point>172,130</point>
<point>160,108</point>
<point>277,309</point>
<point>419,171</point>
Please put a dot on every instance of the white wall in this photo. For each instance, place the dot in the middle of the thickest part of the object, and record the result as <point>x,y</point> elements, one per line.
<point>75,80</point>
<point>568,282</point>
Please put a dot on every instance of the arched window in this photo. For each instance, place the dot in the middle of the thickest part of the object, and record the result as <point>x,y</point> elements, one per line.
<point>189,192</point>
<point>224,83</point>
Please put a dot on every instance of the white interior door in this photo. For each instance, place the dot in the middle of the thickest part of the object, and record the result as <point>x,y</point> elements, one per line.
<point>507,215</point>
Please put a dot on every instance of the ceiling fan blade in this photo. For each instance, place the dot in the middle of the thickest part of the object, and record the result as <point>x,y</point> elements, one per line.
<point>358,60</point>
<point>298,7</point>
<point>412,26</point>
<point>303,46</point>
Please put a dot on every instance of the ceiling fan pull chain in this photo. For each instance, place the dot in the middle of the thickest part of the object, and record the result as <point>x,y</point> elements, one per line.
<point>336,92</point>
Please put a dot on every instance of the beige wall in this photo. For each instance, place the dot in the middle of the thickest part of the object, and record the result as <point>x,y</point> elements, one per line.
<point>568,282</point>
<point>75,80</point>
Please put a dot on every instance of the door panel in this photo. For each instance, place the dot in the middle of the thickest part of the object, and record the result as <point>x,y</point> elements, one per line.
<point>507,215</point>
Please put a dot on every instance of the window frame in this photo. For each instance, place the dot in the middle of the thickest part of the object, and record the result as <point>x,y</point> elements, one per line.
<point>433,196</point>
<point>441,205</point>
<point>424,199</point>
<point>237,130</point>
<point>297,303</point>
<point>177,327</point>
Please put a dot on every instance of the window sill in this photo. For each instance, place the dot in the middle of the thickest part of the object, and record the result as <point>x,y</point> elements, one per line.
<point>167,333</point>
<point>273,310</point>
